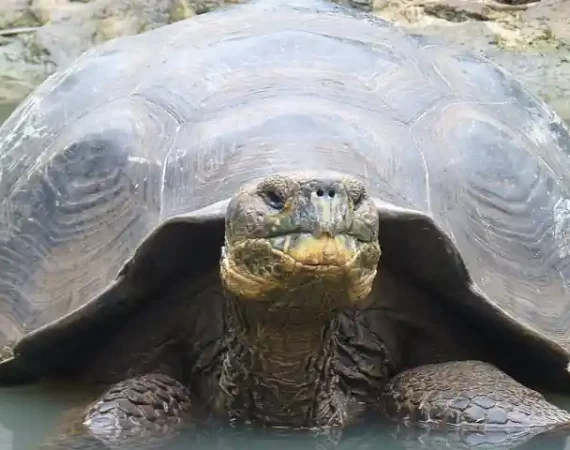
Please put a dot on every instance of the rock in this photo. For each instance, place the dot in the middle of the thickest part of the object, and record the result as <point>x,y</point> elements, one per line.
<point>529,39</point>
<point>16,13</point>
<point>18,76</point>
<point>553,15</point>
<point>363,5</point>
<point>54,10</point>
<point>69,27</point>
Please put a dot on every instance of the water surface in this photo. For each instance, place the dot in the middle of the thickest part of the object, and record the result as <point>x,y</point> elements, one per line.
<point>30,414</point>
<point>5,111</point>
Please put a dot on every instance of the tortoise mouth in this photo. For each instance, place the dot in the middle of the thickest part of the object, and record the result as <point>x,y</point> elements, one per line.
<point>318,251</point>
<point>255,267</point>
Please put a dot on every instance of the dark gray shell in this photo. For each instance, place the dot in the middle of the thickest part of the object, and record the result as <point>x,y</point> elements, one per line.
<point>146,128</point>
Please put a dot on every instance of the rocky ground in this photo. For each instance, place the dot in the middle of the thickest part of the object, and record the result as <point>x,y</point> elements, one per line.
<point>532,40</point>
<point>529,39</point>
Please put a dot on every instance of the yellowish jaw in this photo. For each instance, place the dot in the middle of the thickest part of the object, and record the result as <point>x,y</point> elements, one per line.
<point>324,250</point>
<point>254,268</point>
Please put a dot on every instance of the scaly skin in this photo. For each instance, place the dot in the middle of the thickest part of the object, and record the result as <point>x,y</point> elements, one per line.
<point>280,376</point>
<point>138,413</point>
<point>470,395</point>
<point>148,403</point>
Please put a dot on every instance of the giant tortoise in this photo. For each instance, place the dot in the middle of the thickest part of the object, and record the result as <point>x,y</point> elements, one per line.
<point>289,214</point>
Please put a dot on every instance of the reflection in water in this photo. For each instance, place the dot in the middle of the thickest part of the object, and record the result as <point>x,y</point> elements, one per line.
<point>29,414</point>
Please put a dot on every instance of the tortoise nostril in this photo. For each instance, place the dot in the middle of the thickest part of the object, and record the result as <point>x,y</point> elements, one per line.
<point>330,192</point>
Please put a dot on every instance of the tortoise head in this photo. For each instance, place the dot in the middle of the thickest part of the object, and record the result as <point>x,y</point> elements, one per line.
<point>301,231</point>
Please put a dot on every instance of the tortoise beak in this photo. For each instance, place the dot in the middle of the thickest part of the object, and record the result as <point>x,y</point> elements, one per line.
<point>321,250</point>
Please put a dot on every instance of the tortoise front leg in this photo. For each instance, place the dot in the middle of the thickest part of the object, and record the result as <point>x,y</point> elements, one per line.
<point>470,396</point>
<point>152,403</point>
<point>138,413</point>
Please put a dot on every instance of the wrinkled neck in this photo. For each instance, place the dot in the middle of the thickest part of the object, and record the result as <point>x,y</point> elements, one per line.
<point>278,369</point>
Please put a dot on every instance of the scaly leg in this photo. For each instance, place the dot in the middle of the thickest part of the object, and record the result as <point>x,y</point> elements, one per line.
<point>471,398</point>
<point>149,403</point>
<point>139,412</point>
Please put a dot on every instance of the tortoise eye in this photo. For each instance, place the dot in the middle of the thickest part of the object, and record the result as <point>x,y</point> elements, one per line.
<point>274,199</point>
